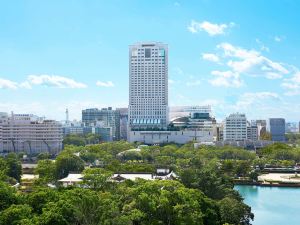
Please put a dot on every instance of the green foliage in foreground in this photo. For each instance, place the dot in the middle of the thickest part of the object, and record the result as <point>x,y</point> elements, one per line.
<point>203,193</point>
<point>139,203</point>
<point>10,168</point>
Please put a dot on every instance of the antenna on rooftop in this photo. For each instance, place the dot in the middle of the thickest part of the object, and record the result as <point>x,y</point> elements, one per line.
<point>67,115</point>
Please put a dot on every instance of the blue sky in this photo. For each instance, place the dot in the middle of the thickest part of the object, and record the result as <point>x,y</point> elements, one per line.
<point>238,55</point>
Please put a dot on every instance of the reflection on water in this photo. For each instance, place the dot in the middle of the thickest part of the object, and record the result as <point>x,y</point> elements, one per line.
<point>272,205</point>
<point>249,191</point>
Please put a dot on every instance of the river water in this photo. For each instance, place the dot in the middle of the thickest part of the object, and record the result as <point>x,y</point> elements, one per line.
<point>272,205</point>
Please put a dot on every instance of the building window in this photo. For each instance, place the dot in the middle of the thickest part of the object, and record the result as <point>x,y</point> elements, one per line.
<point>147,53</point>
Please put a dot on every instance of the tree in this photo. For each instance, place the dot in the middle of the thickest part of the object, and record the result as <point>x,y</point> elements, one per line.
<point>242,168</point>
<point>15,214</point>
<point>74,139</point>
<point>208,181</point>
<point>168,202</point>
<point>3,169</point>
<point>46,170</point>
<point>43,155</point>
<point>14,166</point>
<point>266,136</point>
<point>97,178</point>
<point>7,196</point>
<point>58,213</point>
<point>235,212</point>
<point>253,175</point>
<point>66,163</point>
<point>40,197</point>
<point>92,138</point>
<point>81,206</point>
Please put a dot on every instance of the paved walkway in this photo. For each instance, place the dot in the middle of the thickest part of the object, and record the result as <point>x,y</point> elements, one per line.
<point>279,177</point>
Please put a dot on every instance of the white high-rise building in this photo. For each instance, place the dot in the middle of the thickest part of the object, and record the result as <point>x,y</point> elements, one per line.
<point>148,86</point>
<point>235,127</point>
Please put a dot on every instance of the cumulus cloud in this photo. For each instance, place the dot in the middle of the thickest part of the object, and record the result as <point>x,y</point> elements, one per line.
<point>226,79</point>
<point>264,103</point>
<point>25,85</point>
<point>251,62</point>
<point>54,81</point>
<point>292,85</point>
<point>210,57</point>
<point>8,84</point>
<point>45,80</point>
<point>212,29</point>
<point>250,98</point>
<point>256,105</point>
<point>105,84</point>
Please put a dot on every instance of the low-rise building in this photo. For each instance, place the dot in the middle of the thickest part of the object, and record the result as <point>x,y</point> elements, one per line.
<point>196,125</point>
<point>71,179</point>
<point>77,179</point>
<point>29,133</point>
<point>163,137</point>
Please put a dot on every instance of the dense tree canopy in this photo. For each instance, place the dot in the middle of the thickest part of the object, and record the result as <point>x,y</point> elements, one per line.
<point>81,140</point>
<point>202,194</point>
<point>14,167</point>
<point>66,163</point>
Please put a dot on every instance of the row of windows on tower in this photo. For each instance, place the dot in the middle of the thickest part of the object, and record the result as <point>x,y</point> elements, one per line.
<point>147,75</point>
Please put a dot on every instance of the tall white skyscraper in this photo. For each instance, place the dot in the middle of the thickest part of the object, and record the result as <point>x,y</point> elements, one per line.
<point>148,85</point>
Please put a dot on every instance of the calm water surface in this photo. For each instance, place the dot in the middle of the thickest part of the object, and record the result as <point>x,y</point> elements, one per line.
<point>272,205</point>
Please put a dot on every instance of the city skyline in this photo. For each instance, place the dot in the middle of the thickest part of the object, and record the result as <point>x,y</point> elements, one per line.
<point>234,61</point>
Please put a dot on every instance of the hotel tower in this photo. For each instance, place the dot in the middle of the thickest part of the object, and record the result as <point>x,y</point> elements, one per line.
<point>148,86</point>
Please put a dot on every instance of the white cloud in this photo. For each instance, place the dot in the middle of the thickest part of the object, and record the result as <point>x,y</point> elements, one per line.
<point>211,28</point>
<point>256,105</point>
<point>54,81</point>
<point>25,85</point>
<point>272,75</point>
<point>292,84</point>
<point>262,46</point>
<point>210,57</point>
<point>251,62</point>
<point>233,51</point>
<point>277,39</point>
<point>8,84</point>
<point>226,79</point>
<point>105,84</point>
<point>250,98</point>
